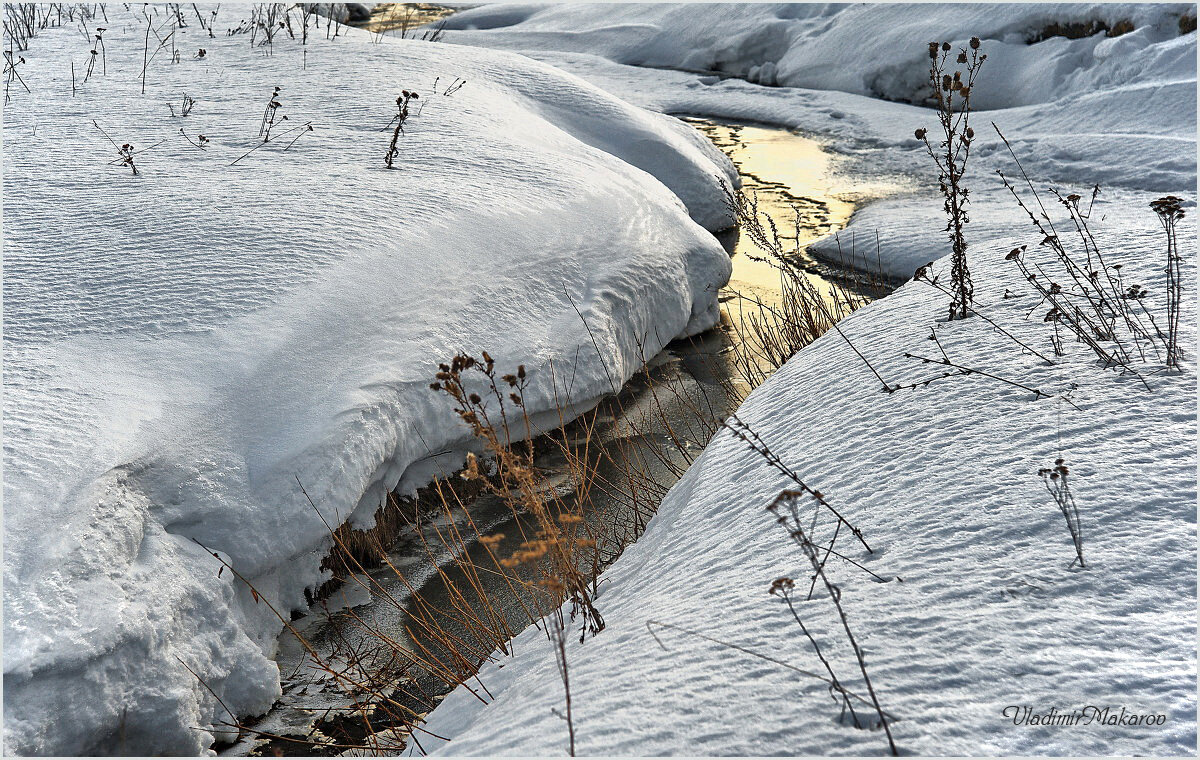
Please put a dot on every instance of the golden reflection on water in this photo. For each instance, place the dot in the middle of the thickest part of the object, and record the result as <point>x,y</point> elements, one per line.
<point>796,184</point>
<point>405,17</point>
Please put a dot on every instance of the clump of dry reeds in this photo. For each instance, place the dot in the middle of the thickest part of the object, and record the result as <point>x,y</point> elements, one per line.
<point>1085,293</point>
<point>496,422</point>
<point>770,334</point>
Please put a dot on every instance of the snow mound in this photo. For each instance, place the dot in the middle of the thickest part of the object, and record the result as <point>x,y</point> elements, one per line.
<point>182,346</point>
<point>821,46</point>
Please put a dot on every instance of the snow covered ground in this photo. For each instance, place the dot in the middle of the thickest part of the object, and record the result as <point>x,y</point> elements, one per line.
<point>180,346</point>
<point>943,483</point>
<point>943,480</point>
<point>183,345</point>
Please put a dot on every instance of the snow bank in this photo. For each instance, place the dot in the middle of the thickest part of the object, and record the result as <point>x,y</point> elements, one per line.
<point>183,345</point>
<point>943,482</point>
<point>1115,111</point>
<point>821,46</point>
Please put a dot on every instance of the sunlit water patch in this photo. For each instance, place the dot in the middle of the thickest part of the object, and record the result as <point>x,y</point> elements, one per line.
<point>406,19</point>
<point>797,183</point>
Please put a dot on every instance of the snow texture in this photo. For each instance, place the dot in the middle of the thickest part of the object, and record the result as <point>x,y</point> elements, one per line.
<point>942,479</point>
<point>183,346</point>
<point>943,483</point>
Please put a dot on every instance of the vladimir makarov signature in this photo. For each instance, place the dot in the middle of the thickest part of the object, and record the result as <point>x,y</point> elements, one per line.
<point>1090,715</point>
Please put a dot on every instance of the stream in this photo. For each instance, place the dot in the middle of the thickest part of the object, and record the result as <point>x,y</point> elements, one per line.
<point>661,419</point>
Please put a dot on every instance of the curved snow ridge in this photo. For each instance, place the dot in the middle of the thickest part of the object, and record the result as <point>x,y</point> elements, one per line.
<point>1108,110</point>
<point>943,481</point>
<point>820,46</point>
<point>183,345</point>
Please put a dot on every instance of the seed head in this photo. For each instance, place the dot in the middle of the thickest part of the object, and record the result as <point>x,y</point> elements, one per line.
<point>782,586</point>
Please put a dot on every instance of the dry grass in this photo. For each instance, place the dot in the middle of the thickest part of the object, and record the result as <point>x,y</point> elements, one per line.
<point>767,335</point>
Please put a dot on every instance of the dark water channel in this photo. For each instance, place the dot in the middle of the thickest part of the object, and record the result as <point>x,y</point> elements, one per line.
<point>661,419</point>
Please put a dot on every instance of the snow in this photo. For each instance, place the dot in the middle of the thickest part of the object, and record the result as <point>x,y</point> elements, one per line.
<point>1115,111</point>
<point>943,483</point>
<point>942,479</point>
<point>183,346</point>
<point>819,46</point>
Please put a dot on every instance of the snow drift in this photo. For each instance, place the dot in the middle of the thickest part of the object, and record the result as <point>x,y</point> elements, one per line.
<point>863,49</point>
<point>979,610</point>
<point>183,345</point>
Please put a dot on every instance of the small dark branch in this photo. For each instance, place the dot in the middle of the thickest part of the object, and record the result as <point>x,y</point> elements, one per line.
<point>145,54</point>
<point>303,129</point>
<point>397,125</point>
<point>752,653</point>
<point>200,142</point>
<point>1169,210</point>
<point>125,152</point>
<point>969,371</point>
<point>785,587</point>
<point>560,656</point>
<point>788,515</point>
<point>751,438</point>
<point>271,116</point>
<point>12,75</point>
<point>923,275</point>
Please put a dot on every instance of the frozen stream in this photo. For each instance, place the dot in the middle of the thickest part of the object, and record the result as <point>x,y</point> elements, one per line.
<point>793,179</point>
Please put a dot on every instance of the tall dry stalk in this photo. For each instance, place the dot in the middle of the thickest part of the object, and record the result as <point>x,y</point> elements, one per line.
<point>1169,210</point>
<point>952,99</point>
